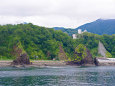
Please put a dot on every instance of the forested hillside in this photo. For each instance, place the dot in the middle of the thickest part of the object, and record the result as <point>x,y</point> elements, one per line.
<point>44,43</point>
<point>91,41</point>
<point>36,41</point>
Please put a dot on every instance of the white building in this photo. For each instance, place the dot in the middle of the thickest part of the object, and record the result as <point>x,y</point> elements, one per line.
<point>74,36</point>
<point>79,31</point>
<point>85,31</point>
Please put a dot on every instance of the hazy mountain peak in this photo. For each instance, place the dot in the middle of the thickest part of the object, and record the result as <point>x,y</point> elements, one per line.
<point>100,26</point>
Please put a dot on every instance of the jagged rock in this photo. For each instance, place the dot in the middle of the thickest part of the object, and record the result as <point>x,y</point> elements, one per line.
<point>88,59</point>
<point>96,61</point>
<point>84,58</point>
<point>21,57</point>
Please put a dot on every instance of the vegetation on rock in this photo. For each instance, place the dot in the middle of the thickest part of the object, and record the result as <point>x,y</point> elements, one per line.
<point>62,54</point>
<point>21,56</point>
<point>108,55</point>
<point>80,52</point>
<point>82,56</point>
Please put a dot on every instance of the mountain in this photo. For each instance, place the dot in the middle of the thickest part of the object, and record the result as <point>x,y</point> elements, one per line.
<point>100,26</point>
<point>59,28</point>
<point>69,31</point>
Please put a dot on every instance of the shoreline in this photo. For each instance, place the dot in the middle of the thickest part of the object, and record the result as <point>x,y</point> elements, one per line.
<point>39,63</point>
<point>106,61</point>
<point>43,63</point>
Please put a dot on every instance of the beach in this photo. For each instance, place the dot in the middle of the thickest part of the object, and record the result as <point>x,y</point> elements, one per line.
<point>37,63</point>
<point>41,63</point>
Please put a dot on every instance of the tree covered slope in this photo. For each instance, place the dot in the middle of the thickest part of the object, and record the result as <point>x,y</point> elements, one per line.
<point>36,41</point>
<point>43,43</point>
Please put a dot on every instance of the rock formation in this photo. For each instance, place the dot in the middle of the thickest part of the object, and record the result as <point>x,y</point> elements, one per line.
<point>21,60</point>
<point>82,56</point>
<point>89,59</point>
<point>21,57</point>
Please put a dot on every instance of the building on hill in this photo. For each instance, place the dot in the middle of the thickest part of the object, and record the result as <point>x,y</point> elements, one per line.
<point>79,32</point>
<point>74,36</point>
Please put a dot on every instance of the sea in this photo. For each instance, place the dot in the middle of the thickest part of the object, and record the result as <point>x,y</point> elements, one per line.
<point>58,76</point>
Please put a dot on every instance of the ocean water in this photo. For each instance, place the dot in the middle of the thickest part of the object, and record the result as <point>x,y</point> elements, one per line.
<point>58,76</point>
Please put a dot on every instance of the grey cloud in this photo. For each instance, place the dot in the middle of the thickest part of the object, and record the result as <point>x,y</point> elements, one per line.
<point>67,13</point>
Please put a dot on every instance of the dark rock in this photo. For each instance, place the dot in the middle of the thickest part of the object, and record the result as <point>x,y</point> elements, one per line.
<point>21,56</point>
<point>21,60</point>
<point>96,62</point>
<point>87,60</point>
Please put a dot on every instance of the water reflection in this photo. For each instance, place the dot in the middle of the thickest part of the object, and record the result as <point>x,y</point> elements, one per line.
<point>58,76</point>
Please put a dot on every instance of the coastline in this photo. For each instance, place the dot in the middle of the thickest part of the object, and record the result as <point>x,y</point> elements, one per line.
<point>43,63</point>
<point>106,61</point>
<point>47,63</point>
<point>5,63</point>
<point>39,63</point>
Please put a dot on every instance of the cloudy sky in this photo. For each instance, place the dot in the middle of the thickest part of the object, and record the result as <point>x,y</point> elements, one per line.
<point>55,13</point>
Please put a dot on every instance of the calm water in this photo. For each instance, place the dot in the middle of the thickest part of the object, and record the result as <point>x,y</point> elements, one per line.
<point>58,76</point>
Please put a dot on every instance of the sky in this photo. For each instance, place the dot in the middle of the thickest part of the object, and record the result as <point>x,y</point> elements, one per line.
<point>55,13</point>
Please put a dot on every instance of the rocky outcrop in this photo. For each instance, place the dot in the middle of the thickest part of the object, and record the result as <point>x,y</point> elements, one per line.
<point>83,58</point>
<point>89,59</point>
<point>21,60</point>
<point>21,56</point>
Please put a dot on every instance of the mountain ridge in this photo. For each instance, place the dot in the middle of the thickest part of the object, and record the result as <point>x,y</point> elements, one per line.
<point>99,26</point>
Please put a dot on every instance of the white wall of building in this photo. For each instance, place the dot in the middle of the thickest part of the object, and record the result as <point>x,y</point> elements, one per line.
<point>74,36</point>
<point>79,31</point>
